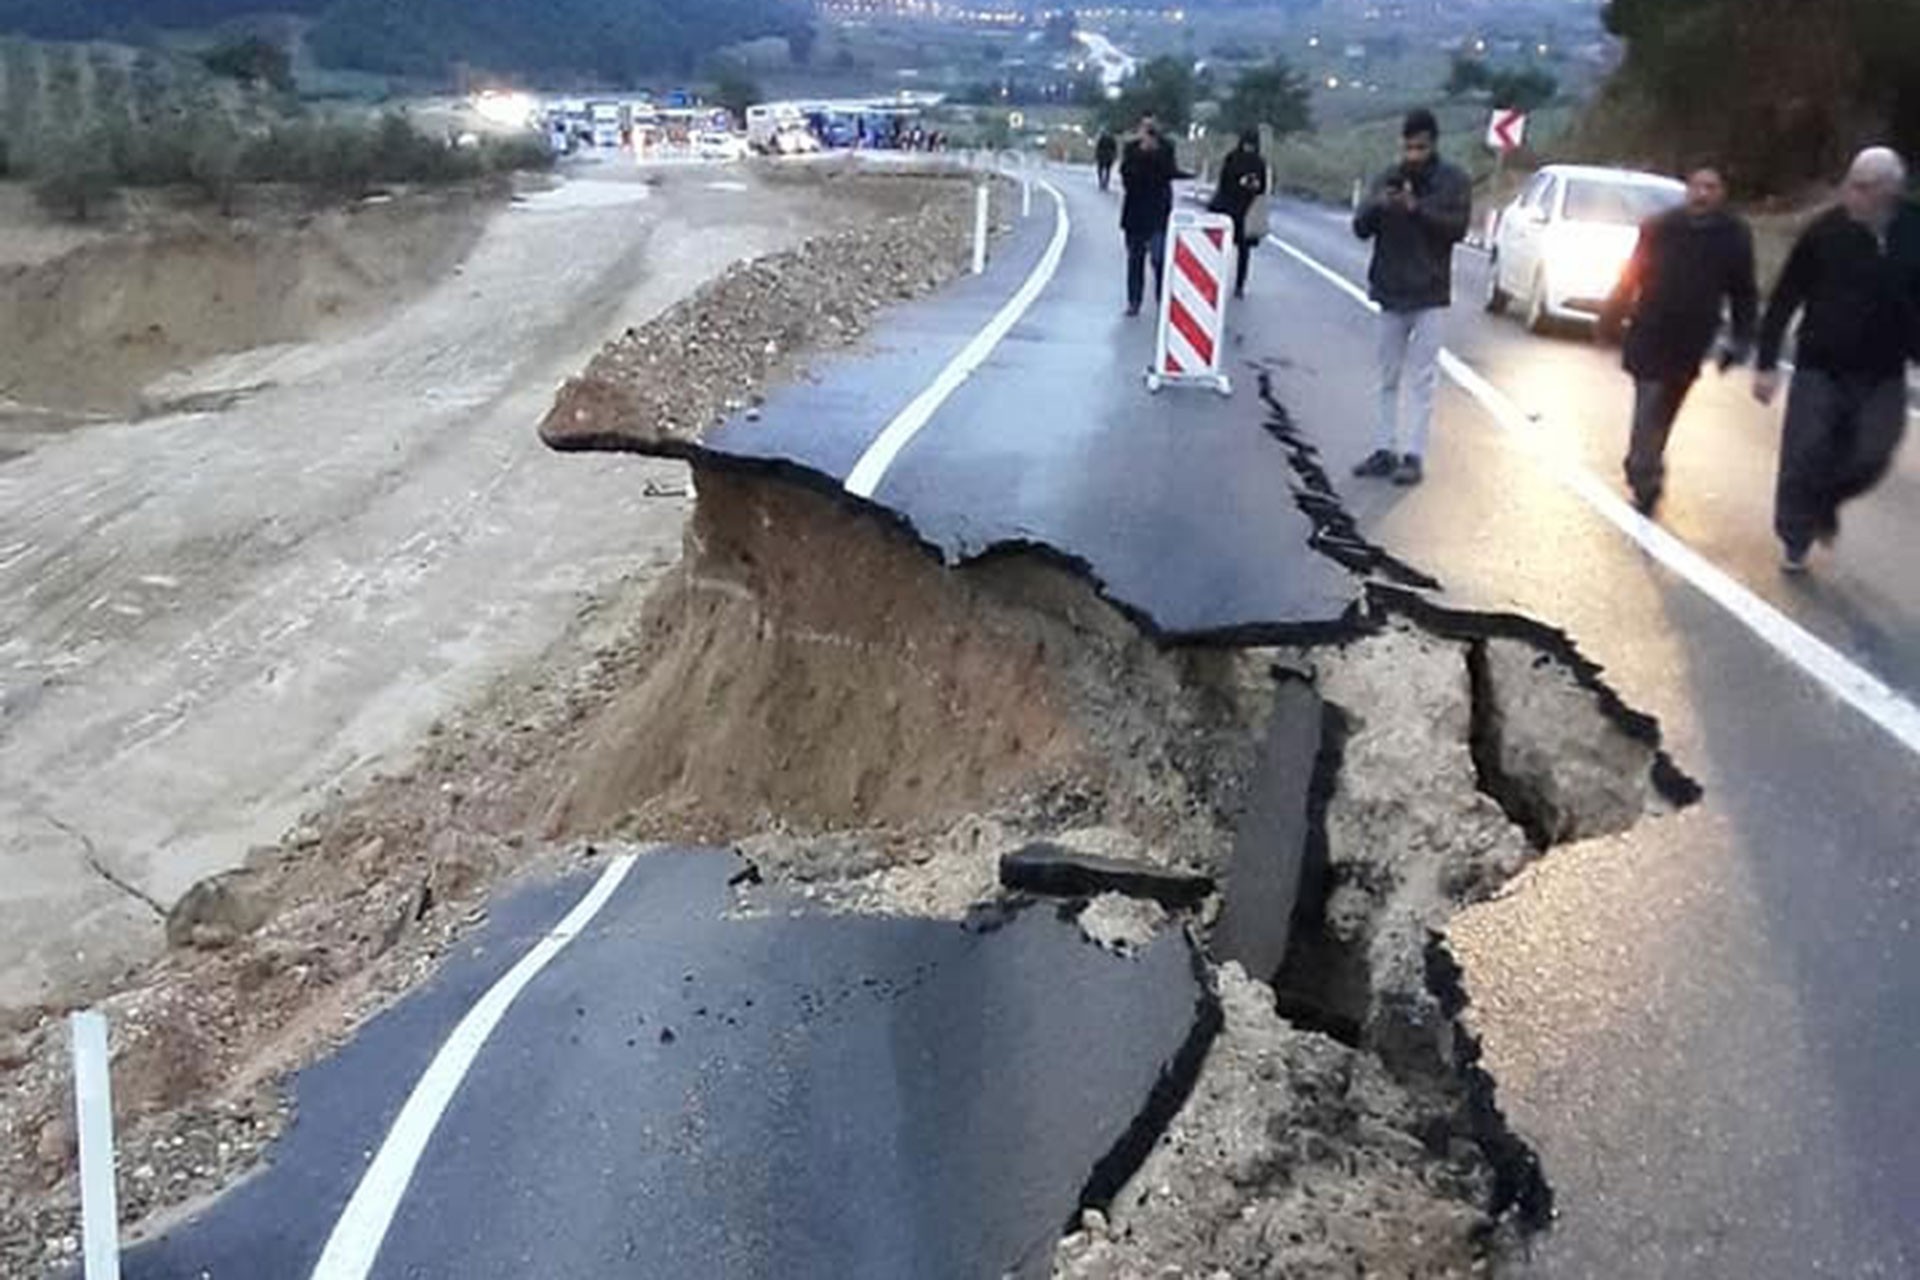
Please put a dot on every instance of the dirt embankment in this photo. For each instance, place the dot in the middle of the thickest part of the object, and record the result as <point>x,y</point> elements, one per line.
<point>86,330</point>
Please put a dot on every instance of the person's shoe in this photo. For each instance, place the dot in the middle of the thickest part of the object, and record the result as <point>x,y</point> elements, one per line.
<point>1409,472</point>
<point>1829,531</point>
<point>1793,560</point>
<point>1378,465</point>
<point>1646,501</point>
<point>1132,311</point>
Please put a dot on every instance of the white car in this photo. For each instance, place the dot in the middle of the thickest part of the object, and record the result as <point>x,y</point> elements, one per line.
<point>720,146</point>
<point>1561,246</point>
<point>795,142</point>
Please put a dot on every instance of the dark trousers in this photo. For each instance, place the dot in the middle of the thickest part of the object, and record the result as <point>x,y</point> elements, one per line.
<point>1842,432</point>
<point>1240,274</point>
<point>1139,248</point>
<point>1105,170</point>
<point>1656,403</point>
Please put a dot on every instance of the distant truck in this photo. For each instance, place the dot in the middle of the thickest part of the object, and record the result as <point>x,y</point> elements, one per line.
<point>767,121</point>
<point>607,125</point>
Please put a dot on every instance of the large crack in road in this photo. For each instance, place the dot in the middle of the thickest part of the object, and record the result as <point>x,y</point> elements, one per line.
<point>894,726</point>
<point>882,733</point>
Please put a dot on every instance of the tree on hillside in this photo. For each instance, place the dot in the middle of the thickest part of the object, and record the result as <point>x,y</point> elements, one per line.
<point>800,42</point>
<point>253,61</point>
<point>1163,88</point>
<point>1058,33</point>
<point>75,178</point>
<point>1524,88</point>
<point>1470,75</point>
<point>734,89</point>
<point>1779,91</point>
<point>1274,95</point>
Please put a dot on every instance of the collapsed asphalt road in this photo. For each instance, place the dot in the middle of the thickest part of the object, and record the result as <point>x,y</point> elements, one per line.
<point>1450,748</point>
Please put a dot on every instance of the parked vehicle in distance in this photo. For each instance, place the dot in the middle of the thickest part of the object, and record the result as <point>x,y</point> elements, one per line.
<point>1561,246</point>
<point>715,145</point>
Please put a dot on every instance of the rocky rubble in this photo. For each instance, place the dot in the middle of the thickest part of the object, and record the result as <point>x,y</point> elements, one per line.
<point>1294,1156</point>
<point>662,386</point>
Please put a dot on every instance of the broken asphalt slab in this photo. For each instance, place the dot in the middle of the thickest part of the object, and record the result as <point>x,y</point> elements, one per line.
<point>684,1091</point>
<point>1274,836</point>
<point>1056,871</point>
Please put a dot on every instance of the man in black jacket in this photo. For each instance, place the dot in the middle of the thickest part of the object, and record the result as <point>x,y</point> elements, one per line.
<point>1856,273</point>
<point>1690,265</point>
<point>1148,168</point>
<point>1105,151</point>
<point>1418,210</point>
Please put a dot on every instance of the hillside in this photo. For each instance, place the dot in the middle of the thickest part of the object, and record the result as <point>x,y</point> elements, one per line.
<point>51,94</point>
<point>611,40</point>
<point>96,19</point>
<point>608,40</point>
<point>1780,92</point>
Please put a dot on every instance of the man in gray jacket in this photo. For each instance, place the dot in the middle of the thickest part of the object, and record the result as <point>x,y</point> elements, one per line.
<point>1417,211</point>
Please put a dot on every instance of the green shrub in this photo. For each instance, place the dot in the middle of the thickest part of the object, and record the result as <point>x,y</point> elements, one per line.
<point>75,180</point>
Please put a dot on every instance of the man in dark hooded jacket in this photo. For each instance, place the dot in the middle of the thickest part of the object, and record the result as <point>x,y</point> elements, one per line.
<point>1243,180</point>
<point>1105,151</point>
<point>1692,264</point>
<point>1148,169</point>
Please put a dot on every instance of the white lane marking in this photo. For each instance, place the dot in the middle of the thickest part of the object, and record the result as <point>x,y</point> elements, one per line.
<point>864,480</point>
<point>355,1243</point>
<point>1328,274</point>
<point>1843,678</point>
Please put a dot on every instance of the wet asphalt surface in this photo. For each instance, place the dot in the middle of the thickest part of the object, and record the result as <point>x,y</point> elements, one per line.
<point>691,1089</point>
<point>1709,1027</point>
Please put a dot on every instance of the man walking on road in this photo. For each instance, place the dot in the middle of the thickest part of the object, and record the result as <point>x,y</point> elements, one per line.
<point>1243,180</point>
<point>1690,265</point>
<point>1417,211</point>
<point>1105,151</point>
<point>1856,273</point>
<point>1147,171</point>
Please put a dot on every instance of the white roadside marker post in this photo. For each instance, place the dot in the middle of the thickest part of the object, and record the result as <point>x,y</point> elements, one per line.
<point>93,1103</point>
<point>980,229</point>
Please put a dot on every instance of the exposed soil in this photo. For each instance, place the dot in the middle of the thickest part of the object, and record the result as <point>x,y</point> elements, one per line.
<point>86,331</point>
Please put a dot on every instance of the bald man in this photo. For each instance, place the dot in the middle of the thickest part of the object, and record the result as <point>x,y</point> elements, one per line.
<point>1856,274</point>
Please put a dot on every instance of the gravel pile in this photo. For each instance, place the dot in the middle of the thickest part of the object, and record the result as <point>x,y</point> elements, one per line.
<point>662,386</point>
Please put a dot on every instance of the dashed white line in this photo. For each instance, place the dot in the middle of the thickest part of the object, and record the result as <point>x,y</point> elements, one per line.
<point>355,1243</point>
<point>864,480</point>
<point>1839,675</point>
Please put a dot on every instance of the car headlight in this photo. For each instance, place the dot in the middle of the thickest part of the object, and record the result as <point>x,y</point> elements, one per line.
<point>1587,260</point>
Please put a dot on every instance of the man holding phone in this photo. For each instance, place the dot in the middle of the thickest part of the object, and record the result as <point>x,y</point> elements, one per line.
<point>1148,168</point>
<point>1417,211</point>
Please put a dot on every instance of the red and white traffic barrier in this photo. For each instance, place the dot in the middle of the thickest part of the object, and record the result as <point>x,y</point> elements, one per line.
<point>1193,304</point>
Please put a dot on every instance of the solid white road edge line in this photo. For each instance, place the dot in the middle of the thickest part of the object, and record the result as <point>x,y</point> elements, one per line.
<point>355,1243</point>
<point>864,480</point>
<point>1839,675</point>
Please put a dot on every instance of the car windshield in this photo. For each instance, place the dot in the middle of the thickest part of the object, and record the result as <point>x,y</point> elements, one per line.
<point>1619,204</point>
